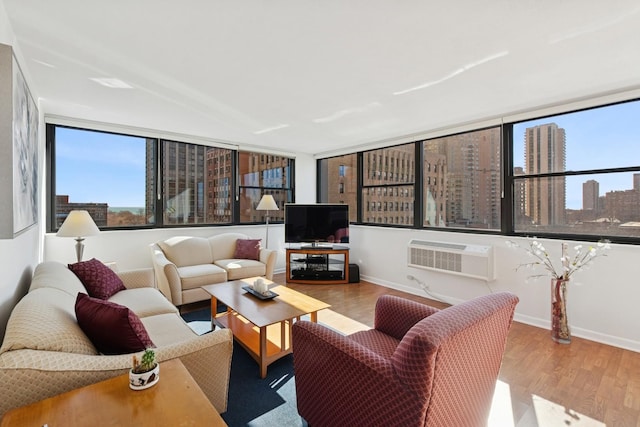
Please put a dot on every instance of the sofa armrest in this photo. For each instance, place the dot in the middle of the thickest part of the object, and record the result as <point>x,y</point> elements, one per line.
<point>138,278</point>
<point>341,382</point>
<point>394,316</point>
<point>268,257</point>
<point>28,376</point>
<point>167,277</point>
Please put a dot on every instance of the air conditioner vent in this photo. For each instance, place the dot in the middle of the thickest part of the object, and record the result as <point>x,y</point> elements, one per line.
<point>464,259</point>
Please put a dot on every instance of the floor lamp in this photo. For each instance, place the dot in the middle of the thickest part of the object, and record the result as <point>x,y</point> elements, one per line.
<point>78,224</point>
<point>267,204</point>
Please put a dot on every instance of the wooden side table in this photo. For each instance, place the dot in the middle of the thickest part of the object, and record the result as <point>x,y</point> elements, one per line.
<point>175,400</point>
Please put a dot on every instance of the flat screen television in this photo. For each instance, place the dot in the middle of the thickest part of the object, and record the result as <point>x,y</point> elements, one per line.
<point>316,223</point>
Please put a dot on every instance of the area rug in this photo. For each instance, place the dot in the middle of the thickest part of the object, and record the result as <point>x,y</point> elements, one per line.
<point>254,401</point>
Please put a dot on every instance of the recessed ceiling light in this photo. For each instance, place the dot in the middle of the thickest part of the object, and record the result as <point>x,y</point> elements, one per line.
<point>111,82</point>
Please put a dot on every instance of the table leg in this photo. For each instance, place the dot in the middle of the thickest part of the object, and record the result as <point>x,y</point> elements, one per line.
<point>314,316</point>
<point>214,311</point>
<point>283,337</point>
<point>263,352</point>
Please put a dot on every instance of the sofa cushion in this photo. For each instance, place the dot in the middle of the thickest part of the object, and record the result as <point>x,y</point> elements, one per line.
<point>247,249</point>
<point>100,281</point>
<point>144,301</point>
<point>52,274</point>
<point>44,319</point>
<point>242,268</point>
<point>198,275</point>
<point>113,328</point>
<point>167,329</point>
<point>185,251</point>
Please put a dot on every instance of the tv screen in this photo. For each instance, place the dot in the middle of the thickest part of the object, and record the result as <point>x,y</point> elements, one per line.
<point>316,223</point>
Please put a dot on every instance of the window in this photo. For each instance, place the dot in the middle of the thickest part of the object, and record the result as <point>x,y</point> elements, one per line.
<point>389,177</point>
<point>462,180</point>
<point>339,182</point>
<point>578,173</point>
<point>272,175</point>
<point>109,175</point>
<point>196,183</point>
<point>573,175</point>
<point>119,180</point>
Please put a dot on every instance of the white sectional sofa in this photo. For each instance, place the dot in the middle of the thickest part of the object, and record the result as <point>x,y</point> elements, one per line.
<point>185,263</point>
<point>45,352</point>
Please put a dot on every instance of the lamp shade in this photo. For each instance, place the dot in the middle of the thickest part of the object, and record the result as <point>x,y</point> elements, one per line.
<point>78,224</point>
<point>267,203</point>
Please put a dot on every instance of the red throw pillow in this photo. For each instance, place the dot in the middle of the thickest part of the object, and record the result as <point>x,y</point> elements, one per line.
<point>247,249</point>
<point>99,280</point>
<point>111,327</point>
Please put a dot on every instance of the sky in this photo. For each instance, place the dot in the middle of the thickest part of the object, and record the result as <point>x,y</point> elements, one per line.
<point>108,168</point>
<point>595,139</point>
<point>97,167</point>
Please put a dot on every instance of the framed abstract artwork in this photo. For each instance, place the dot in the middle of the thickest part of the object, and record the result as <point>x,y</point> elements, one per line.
<point>18,149</point>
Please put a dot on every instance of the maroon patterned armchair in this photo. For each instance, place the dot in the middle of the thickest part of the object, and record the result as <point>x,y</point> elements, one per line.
<point>419,366</point>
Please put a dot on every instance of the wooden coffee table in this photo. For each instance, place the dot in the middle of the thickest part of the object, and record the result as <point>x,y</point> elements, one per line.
<point>262,327</point>
<point>175,400</point>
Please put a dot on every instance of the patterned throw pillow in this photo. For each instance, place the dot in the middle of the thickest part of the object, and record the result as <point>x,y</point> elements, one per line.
<point>111,327</point>
<point>247,249</point>
<point>99,280</point>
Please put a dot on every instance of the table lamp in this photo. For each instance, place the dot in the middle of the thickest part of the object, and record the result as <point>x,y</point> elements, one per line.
<point>267,203</point>
<point>78,224</point>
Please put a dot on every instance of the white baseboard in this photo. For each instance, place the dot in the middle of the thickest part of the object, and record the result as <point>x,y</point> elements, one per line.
<point>612,340</point>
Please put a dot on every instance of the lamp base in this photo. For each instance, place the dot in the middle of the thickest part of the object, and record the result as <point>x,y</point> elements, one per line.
<point>79,248</point>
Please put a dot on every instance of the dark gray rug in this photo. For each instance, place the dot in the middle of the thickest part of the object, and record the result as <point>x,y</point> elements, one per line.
<point>254,401</point>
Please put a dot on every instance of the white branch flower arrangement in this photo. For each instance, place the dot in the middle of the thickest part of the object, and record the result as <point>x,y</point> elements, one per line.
<point>569,265</point>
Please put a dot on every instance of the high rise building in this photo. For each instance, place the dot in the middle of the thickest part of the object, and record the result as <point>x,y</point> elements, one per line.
<point>183,183</point>
<point>341,182</point>
<point>544,152</point>
<point>472,182</point>
<point>590,195</point>
<point>387,201</point>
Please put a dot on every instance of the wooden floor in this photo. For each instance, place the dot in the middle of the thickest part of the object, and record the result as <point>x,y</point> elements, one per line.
<point>540,384</point>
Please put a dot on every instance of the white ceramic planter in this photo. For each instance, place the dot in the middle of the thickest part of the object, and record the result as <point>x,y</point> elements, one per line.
<point>145,379</point>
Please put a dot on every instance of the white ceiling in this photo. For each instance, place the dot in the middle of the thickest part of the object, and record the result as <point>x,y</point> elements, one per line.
<point>316,76</point>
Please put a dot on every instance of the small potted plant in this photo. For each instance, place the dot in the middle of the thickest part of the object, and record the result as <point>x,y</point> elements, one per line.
<point>144,372</point>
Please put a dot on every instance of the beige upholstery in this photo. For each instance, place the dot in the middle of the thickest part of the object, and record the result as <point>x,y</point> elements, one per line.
<point>45,352</point>
<point>183,264</point>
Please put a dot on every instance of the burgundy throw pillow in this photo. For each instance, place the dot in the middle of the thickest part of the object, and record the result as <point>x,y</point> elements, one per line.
<point>247,249</point>
<point>111,327</point>
<point>99,280</point>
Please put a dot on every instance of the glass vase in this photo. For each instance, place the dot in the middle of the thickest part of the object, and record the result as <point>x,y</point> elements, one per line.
<point>560,332</point>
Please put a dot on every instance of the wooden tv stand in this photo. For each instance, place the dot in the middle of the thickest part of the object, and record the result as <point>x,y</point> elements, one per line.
<point>318,265</point>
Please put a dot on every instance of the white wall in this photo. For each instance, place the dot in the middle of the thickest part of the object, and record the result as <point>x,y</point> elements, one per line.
<point>305,179</point>
<point>18,256</point>
<point>130,249</point>
<point>602,300</point>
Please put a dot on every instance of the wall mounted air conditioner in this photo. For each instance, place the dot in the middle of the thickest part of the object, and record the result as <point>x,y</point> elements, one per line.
<point>456,258</point>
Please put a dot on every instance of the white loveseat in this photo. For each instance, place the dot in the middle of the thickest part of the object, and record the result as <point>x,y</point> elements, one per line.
<point>185,263</point>
<point>45,352</point>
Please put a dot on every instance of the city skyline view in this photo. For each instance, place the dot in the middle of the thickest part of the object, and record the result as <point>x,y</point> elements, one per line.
<point>595,139</point>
